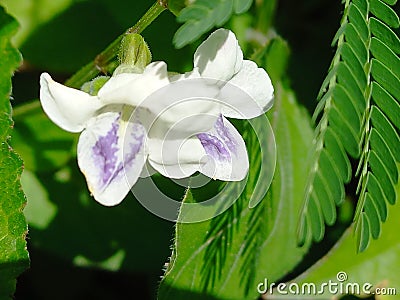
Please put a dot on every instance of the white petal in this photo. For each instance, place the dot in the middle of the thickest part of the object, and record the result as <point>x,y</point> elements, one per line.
<point>132,88</point>
<point>188,75</point>
<point>67,107</point>
<point>219,56</point>
<point>111,155</point>
<point>182,108</point>
<point>176,158</point>
<point>248,94</point>
<point>226,152</point>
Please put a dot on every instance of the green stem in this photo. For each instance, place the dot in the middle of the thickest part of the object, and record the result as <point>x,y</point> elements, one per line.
<point>106,60</point>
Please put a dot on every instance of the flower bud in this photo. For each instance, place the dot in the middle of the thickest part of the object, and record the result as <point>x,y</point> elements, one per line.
<point>92,87</point>
<point>134,54</point>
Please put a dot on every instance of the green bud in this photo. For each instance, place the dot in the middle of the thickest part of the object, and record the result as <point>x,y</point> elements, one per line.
<point>134,54</point>
<point>93,87</point>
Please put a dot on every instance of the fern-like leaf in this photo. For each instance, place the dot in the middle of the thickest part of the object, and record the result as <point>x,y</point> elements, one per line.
<point>203,15</point>
<point>358,113</point>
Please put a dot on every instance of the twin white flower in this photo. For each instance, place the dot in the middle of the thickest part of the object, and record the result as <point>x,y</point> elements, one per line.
<point>154,121</point>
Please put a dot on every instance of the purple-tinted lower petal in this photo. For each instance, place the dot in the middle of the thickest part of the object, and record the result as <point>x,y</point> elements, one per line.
<point>134,144</point>
<point>226,151</point>
<point>111,155</point>
<point>214,146</point>
<point>105,154</point>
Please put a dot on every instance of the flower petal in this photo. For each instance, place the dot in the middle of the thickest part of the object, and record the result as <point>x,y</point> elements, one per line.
<point>219,56</point>
<point>248,94</point>
<point>111,155</point>
<point>182,108</point>
<point>67,107</point>
<point>133,88</point>
<point>176,158</point>
<point>226,152</point>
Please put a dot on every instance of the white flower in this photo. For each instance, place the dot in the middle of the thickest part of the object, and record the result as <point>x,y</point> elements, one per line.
<point>244,92</point>
<point>174,124</point>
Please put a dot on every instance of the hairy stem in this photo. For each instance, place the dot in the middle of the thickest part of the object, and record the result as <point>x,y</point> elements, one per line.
<point>106,60</point>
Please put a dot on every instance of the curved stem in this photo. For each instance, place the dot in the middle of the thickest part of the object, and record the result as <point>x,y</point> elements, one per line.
<point>105,62</point>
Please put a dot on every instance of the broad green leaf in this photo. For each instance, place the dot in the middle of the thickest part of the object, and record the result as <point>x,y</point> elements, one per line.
<point>13,228</point>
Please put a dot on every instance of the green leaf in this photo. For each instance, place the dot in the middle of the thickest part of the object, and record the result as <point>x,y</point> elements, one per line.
<point>175,6</point>
<point>242,6</point>
<point>359,107</point>
<point>385,55</point>
<point>202,15</point>
<point>389,106</point>
<point>13,228</point>
<point>378,265</point>
<point>385,13</point>
<point>386,78</point>
<point>385,34</point>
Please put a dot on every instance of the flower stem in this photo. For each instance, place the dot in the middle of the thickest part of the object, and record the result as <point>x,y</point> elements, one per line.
<point>105,62</point>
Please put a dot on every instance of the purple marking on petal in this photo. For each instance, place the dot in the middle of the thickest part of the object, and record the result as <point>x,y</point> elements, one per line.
<point>222,144</point>
<point>105,151</point>
<point>214,146</point>
<point>225,135</point>
<point>135,143</point>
